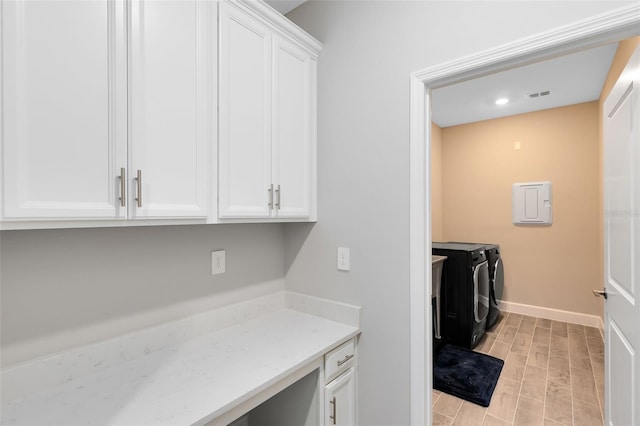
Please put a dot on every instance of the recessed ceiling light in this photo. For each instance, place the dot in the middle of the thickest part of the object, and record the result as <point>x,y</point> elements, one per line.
<point>502,101</point>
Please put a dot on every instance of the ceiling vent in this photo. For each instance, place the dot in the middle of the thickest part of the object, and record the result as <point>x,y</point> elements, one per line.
<point>538,94</point>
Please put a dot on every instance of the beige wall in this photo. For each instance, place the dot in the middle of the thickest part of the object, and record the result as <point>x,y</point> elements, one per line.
<point>624,52</point>
<point>436,183</point>
<point>554,266</point>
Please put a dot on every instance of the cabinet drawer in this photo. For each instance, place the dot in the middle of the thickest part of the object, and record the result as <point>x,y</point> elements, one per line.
<point>338,360</point>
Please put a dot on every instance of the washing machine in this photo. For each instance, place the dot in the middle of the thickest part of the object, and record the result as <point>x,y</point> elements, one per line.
<point>496,280</point>
<point>465,292</point>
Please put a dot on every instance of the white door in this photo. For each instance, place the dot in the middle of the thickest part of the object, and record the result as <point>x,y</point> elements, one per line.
<point>244,146</point>
<point>622,247</point>
<point>63,108</point>
<point>168,99</point>
<point>339,397</point>
<point>292,71</point>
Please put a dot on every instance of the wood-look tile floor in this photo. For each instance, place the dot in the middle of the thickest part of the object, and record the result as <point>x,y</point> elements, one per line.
<point>553,374</point>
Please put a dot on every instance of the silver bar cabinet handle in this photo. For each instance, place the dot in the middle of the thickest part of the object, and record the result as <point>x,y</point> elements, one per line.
<point>346,358</point>
<point>139,188</point>
<point>270,197</point>
<point>123,187</point>
<point>333,410</point>
<point>278,198</point>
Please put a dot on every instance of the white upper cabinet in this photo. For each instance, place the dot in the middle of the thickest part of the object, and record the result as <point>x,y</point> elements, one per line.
<point>245,115</point>
<point>64,108</point>
<point>293,128</point>
<point>267,136</point>
<point>168,108</point>
<point>99,93</point>
<point>109,113</point>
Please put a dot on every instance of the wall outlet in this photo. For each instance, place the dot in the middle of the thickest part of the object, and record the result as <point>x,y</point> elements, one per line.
<point>217,262</point>
<point>344,261</point>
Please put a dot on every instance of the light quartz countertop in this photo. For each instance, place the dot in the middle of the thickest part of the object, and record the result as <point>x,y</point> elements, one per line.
<point>192,380</point>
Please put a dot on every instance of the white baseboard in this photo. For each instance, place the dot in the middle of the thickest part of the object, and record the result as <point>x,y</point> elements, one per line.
<point>553,314</point>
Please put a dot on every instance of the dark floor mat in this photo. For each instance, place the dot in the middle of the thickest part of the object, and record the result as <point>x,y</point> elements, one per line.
<point>469,375</point>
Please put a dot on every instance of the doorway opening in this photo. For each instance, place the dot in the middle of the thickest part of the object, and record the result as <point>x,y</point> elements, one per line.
<point>616,25</point>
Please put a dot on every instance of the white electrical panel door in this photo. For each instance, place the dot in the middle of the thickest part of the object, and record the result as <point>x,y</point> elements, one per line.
<point>168,101</point>
<point>532,203</point>
<point>63,108</point>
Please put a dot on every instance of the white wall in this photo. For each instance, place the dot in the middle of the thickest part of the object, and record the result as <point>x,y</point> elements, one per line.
<point>68,287</point>
<point>371,47</point>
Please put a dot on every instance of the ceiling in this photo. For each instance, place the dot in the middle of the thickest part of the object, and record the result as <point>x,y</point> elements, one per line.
<point>570,79</point>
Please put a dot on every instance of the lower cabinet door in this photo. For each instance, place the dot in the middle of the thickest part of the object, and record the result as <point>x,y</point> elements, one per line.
<point>339,396</point>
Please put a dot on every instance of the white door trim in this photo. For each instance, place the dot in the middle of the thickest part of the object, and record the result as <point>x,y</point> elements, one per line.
<point>612,26</point>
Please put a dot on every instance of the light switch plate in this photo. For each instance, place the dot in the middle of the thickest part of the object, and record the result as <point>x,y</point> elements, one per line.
<point>218,262</point>
<point>344,259</point>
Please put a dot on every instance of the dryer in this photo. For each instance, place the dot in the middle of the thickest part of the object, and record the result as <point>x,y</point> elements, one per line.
<point>465,292</point>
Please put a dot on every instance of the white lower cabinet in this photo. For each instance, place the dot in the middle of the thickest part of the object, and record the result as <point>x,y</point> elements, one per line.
<point>339,395</point>
<point>324,397</point>
<point>340,385</point>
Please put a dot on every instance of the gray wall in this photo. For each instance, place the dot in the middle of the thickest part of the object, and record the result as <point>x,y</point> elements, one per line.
<point>370,49</point>
<point>281,411</point>
<point>68,287</point>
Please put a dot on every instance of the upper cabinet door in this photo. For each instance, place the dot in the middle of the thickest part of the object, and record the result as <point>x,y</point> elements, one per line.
<point>244,142</point>
<point>64,108</point>
<point>294,89</point>
<point>169,74</point>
